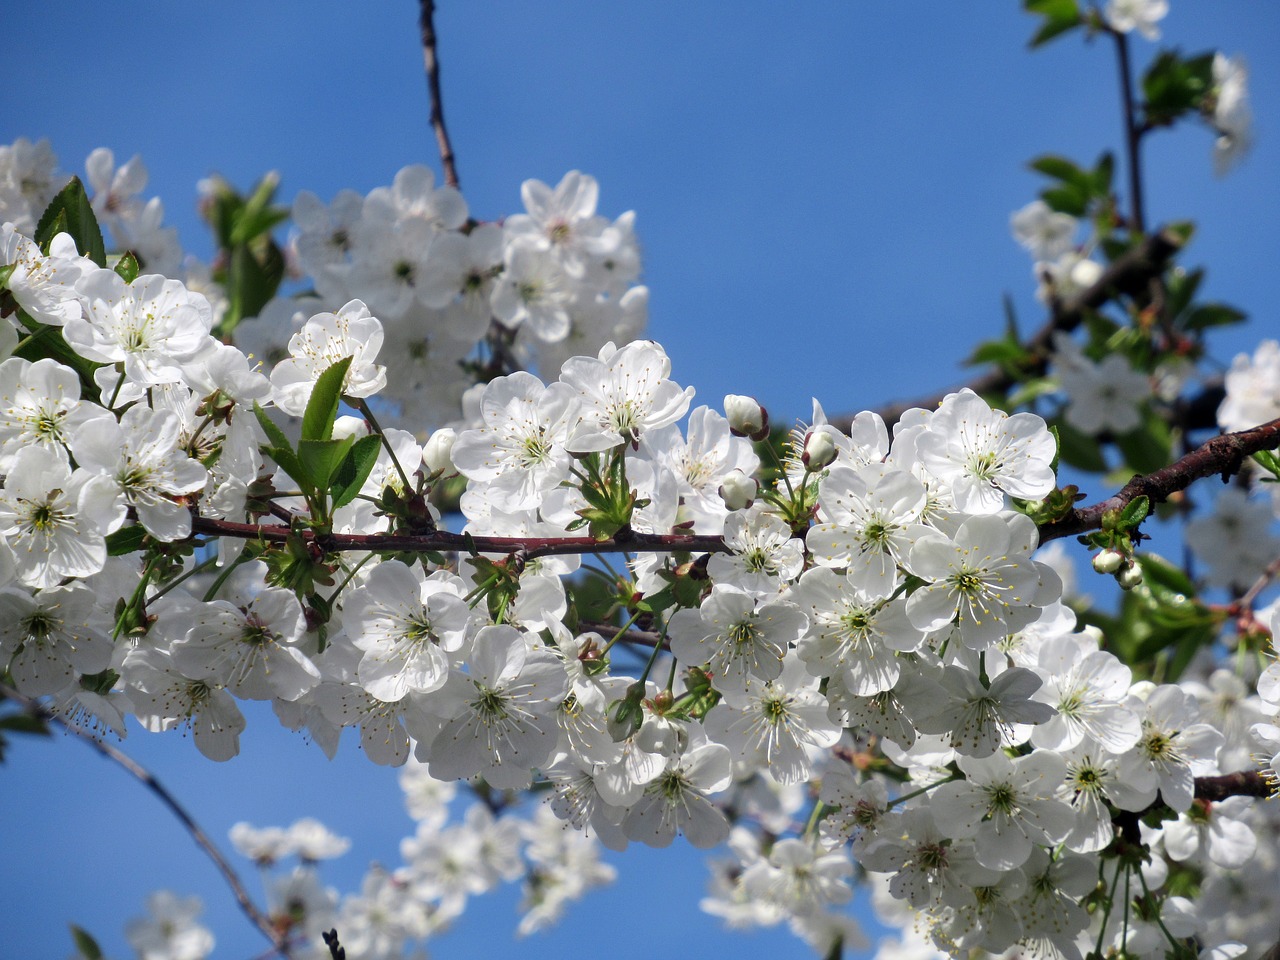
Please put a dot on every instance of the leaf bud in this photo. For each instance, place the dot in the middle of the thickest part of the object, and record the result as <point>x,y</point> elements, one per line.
<point>746,417</point>
<point>437,453</point>
<point>738,490</point>
<point>819,449</point>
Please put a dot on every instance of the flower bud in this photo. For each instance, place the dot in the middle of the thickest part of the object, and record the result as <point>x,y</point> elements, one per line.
<point>437,451</point>
<point>1107,561</point>
<point>746,417</point>
<point>819,449</point>
<point>1129,577</point>
<point>344,427</point>
<point>738,490</point>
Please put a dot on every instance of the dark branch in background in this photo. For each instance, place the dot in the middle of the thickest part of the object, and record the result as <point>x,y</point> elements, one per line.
<point>431,63</point>
<point>1132,135</point>
<point>247,906</point>
<point>1244,783</point>
<point>1130,273</point>
<point>1222,455</point>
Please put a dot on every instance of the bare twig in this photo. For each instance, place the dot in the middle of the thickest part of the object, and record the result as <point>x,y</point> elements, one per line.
<point>1223,455</point>
<point>1129,273</point>
<point>431,63</point>
<point>1132,134</point>
<point>259,919</point>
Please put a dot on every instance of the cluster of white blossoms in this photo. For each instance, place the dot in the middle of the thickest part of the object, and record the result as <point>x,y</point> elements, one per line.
<point>867,616</point>
<point>552,282</point>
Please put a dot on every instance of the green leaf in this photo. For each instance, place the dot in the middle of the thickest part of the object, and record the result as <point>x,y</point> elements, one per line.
<point>1060,168</point>
<point>1059,17</point>
<point>127,267</point>
<point>322,407</point>
<point>24,723</point>
<point>1069,198</point>
<point>125,541</point>
<point>252,279</point>
<point>1134,512</point>
<point>320,458</point>
<point>1148,447</point>
<point>280,450</point>
<point>70,212</point>
<point>1181,287</point>
<point>85,944</point>
<point>1212,315</point>
<point>1079,449</point>
<point>354,470</point>
<point>1103,173</point>
<point>1004,352</point>
<point>1157,571</point>
<point>1173,86</point>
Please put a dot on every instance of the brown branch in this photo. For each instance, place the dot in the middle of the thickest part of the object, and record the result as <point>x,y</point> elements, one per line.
<point>431,63</point>
<point>529,548</point>
<point>1222,455</point>
<point>279,942</point>
<point>1132,134</point>
<point>1129,273</point>
<point>1243,783</point>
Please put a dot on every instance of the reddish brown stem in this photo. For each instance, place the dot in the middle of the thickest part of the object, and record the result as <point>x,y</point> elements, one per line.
<point>431,63</point>
<point>1222,455</point>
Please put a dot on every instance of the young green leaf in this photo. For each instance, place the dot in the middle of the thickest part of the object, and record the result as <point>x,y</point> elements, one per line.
<point>70,212</point>
<point>354,470</point>
<point>317,419</point>
<point>321,458</point>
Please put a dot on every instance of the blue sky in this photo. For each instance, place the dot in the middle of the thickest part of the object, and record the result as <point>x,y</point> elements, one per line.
<point>822,194</point>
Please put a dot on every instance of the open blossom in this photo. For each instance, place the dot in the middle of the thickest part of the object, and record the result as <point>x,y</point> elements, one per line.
<point>45,287</point>
<point>1045,232</point>
<point>503,713</point>
<point>50,636</point>
<point>153,325</point>
<point>324,340</point>
<point>405,626</point>
<point>54,520</point>
<point>140,456</point>
<point>519,450</point>
<point>984,454</point>
<point>624,392</point>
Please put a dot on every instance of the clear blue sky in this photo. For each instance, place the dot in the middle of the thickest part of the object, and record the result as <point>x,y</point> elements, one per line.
<point>822,195</point>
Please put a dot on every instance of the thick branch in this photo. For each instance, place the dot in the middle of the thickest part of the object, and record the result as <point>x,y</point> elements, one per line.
<point>529,548</point>
<point>431,63</point>
<point>1129,273</point>
<point>1243,783</point>
<point>247,906</point>
<point>1222,455</point>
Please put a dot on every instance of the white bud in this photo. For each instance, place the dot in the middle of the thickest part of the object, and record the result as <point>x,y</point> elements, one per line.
<point>746,417</point>
<point>1107,561</point>
<point>344,427</point>
<point>1129,577</point>
<point>436,454</point>
<point>738,490</point>
<point>819,449</point>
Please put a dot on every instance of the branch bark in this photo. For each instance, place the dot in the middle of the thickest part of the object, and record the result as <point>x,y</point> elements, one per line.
<point>279,942</point>
<point>431,63</point>
<point>1222,455</point>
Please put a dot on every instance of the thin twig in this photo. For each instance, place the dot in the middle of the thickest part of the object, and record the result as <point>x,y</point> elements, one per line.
<point>247,906</point>
<point>1132,135</point>
<point>431,63</point>
<point>1223,455</point>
